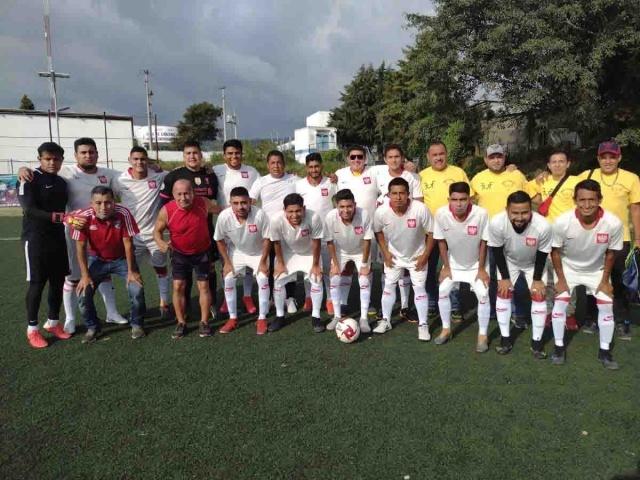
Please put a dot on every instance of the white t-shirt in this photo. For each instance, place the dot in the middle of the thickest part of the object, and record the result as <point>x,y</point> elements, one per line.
<point>229,178</point>
<point>296,239</point>
<point>244,237</point>
<point>383,177</point>
<point>318,198</point>
<point>142,197</point>
<point>463,237</point>
<point>583,250</point>
<point>405,234</point>
<point>520,248</point>
<point>270,191</point>
<point>348,239</point>
<point>364,187</point>
<point>80,184</point>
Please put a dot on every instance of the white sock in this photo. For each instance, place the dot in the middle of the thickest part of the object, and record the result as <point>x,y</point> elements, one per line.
<point>70,299</point>
<point>559,317</point>
<point>231,295</point>
<point>263,295</point>
<point>421,301</point>
<point>538,318</point>
<point>388,300</point>
<point>316,298</point>
<point>444,305</point>
<point>247,284</point>
<point>163,287</point>
<point>32,328</point>
<point>365,295</point>
<point>404,284</point>
<point>484,312</point>
<point>334,293</point>
<point>51,323</point>
<point>108,294</point>
<point>503,314</point>
<point>278,297</point>
<point>606,323</point>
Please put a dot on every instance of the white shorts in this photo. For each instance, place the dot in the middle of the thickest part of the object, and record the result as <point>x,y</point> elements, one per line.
<point>590,280</point>
<point>345,258</point>
<point>515,272</point>
<point>392,275</point>
<point>295,263</point>
<point>145,245</point>
<point>74,266</point>
<point>464,276</point>
<point>242,262</point>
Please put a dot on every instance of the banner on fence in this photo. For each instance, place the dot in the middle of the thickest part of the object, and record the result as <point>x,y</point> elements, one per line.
<point>8,191</point>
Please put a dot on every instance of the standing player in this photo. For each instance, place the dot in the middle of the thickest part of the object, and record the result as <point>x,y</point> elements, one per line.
<point>107,241</point>
<point>520,240</point>
<point>140,193</point>
<point>585,243</point>
<point>461,231</point>
<point>43,201</point>
<point>242,234</point>
<point>296,234</point>
<point>403,230</point>
<point>348,233</point>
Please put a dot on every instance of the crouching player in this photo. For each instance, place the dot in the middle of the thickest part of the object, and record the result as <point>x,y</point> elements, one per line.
<point>296,234</point>
<point>403,230</point>
<point>585,242</point>
<point>348,234</point>
<point>242,235</point>
<point>461,231</point>
<point>104,248</point>
<point>520,240</point>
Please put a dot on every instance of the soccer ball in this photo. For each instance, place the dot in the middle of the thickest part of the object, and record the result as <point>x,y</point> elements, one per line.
<point>347,330</point>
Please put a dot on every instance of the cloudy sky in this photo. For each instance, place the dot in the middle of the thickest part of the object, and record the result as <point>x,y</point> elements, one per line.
<point>280,60</point>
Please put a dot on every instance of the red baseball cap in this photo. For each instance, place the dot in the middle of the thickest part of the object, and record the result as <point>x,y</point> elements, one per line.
<point>609,147</point>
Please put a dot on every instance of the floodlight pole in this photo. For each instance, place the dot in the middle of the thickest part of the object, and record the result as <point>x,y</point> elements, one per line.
<point>224,117</point>
<point>149,93</point>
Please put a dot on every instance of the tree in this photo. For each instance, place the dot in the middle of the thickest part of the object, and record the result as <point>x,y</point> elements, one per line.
<point>26,103</point>
<point>198,123</point>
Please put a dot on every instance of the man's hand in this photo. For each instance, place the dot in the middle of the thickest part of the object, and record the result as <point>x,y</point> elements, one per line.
<point>421,262</point>
<point>155,167</point>
<point>606,288</point>
<point>511,168</point>
<point>316,272</point>
<point>483,276</point>
<point>388,259</point>
<point>504,288</point>
<point>134,277</point>
<point>77,223</point>
<point>561,287</point>
<point>333,178</point>
<point>542,177</point>
<point>538,290</point>
<point>365,270</point>
<point>445,272</point>
<point>163,246</point>
<point>279,269</point>
<point>85,281</point>
<point>227,268</point>
<point>409,166</point>
<point>25,174</point>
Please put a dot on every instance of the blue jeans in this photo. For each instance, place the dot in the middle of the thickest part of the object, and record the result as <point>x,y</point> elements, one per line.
<point>432,283</point>
<point>519,289</point>
<point>100,270</point>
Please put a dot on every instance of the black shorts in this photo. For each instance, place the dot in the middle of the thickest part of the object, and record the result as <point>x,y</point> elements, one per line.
<point>182,265</point>
<point>45,263</point>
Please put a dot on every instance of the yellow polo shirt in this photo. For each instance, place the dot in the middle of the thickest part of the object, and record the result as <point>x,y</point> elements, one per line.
<point>435,185</point>
<point>619,191</point>
<point>562,200</point>
<point>492,189</point>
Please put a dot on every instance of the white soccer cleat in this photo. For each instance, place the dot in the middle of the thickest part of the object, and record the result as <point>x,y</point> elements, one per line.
<point>70,325</point>
<point>117,319</point>
<point>364,326</point>
<point>292,307</point>
<point>332,324</point>
<point>423,333</point>
<point>383,326</point>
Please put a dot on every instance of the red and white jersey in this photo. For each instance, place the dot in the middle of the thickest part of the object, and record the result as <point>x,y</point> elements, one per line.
<point>270,191</point>
<point>383,177</point>
<point>520,248</point>
<point>296,239</point>
<point>246,237</point>
<point>189,229</point>
<point>583,250</point>
<point>364,187</point>
<point>229,178</point>
<point>142,197</point>
<point>348,238</point>
<point>463,237</point>
<point>104,237</point>
<point>317,197</point>
<point>405,234</point>
<point>80,184</point>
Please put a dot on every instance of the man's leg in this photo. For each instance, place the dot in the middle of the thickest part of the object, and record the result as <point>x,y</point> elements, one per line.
<point>365,300</point>
<point>620,295</point>
<point>182,271</point>
<point>432,280</point>
<point>558,322</point>
<point>179,299</point>
<point>204,330</point>
<point>444,306</point>
<point>231,299</point>
<point>263,302</point>
<point>108,294</point>
<point>484,312</point>
<point>421,300</point>
<point>69,295</point>
<point>538,318</point>
<point>316,301</point>
<point>32,300</point>
<point>606,325</point>
<point>503,313</point>
<point>391,277</point>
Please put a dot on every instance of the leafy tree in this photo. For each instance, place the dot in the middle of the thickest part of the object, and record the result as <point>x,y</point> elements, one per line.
<point>198,123</point>
<point>26,103</point>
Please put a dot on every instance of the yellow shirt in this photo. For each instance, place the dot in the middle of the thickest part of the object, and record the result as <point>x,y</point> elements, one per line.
<point>435,185</point>
<point>492,189</point>
<point>618,192</point>
<point>562,200</point>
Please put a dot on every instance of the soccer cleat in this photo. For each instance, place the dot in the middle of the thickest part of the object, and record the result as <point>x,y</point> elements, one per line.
<point>117,319</point>
<point>332,324</point>
<point>408,316</point>
<point>571,324</point>
<point>519,322</point>
<point>70,326</point>
<point>165,312</point>
<point>559,356</point>
<point>229,326</point>
<point>456,316</point>
<point>58,332</point>
<point>91,336</point>
<point>204,330</point>
<point>444,337</point>
<point>328,305</point>
<point>224,308</point>
<point>180,331</point>
<point>36,340</point>
<point>249,306</point>
<point>292,306</point>
<point>423,333</point>
<point>382,326</point>
<point>318,327</point>
<point>505,346</point>
<point>590,328</point>
<point>624,331</point>
<point>364,325</point>
<point>137,332</point>
<point>537,350</point>
<point>482,345</point>
<point>261,326</point>
<point>607,360</point>
<point>276,324</point>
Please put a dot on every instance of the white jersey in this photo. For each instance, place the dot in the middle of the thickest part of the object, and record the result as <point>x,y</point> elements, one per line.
<point>80,184</point>
<point>383,177</point>
<point>405,234</point>
<point>348,238</point>
<point>583,250</point>
<point>520,248</point>
<point>229,178</point>
<point>318,198</point>
<point>364,187</point>
<point>463,237</point>
<point>142,198</point>
<point>296,240</point>
<point>271,192</point>
<point>244,237</point>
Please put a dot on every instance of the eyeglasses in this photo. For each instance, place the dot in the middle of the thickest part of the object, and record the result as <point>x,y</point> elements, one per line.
<point>358,156</point>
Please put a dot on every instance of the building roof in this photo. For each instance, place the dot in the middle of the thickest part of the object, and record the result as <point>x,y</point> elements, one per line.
<point>40,113</point>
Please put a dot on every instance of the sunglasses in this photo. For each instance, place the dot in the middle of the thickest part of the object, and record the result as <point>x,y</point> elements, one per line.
<point>358,156</point>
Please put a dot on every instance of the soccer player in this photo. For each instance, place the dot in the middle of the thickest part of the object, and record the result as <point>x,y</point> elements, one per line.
<point>520,240</point>
<point>242,234</point>
<point>585,243</point>
<point>461,231</point>
<point>360,179</point>
<point>403,230</point>
<point>43,201</point>
<point>348,233</point>
<point>186,218</point>
<point>107,240</point>
<point>140,193</point>
<point>296,234</point>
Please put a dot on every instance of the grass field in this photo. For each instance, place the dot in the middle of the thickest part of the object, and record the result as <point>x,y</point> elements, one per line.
<point>297,405</point>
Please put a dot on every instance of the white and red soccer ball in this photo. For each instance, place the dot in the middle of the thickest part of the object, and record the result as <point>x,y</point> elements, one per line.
<point>347,330</point>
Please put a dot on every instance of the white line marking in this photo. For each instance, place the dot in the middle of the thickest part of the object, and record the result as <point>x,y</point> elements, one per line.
<point>9,239</point>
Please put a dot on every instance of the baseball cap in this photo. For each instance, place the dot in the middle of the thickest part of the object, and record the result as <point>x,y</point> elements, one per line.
<point>609,147</point>
<point>495,148</point>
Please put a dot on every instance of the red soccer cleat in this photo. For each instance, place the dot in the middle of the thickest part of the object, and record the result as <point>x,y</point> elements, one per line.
<point>249,306</point>
<point>572,325</point>
<point>308,305</point>
<point>224,308</point>
<point>36,340</point>
<point>230,326</point>
<point>261,327</point>
<point>58,332</point>
<point>329,306</point>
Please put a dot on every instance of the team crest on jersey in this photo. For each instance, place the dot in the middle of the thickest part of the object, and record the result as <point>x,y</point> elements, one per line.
<point>411,223</point>
<point>197,180</point>
<point>152,184</point>
<point>244,174</point>
<point>472,229</point>
<point>304,232</point>
<point>531,241</point>
<point>602,238</point>
<point>253,228</point>
<point>325,192</point>
<point>358,230</point>
<point>366,180</point>
<point>102,179</point>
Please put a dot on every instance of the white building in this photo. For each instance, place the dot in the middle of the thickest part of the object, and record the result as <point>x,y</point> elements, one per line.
<point>164,137</point>
<point>317,136</point>
<point>22,131</point>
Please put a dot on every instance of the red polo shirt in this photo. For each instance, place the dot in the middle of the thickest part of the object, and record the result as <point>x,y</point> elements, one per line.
<point>189,229</point>
<point>105,236</point>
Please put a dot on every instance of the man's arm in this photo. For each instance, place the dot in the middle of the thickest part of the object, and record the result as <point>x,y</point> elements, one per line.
<point>227,264</point>
<point>158,230</point>
<point>504,285</point>
<point>133,275</point>
<point>634,210</point>
<point>316,268</point>
<point>366,253</point>
<point>212,206</point>
<point>605,283</point>
<point>483,276</point>
<point>443,248</point>
<point>279,267</point>
<point>386,254</point>
<point>335,265</point>
<point>556,260</point>
<point>423,259</point>
<point>26,197</point>
<point>263,266</point>
<point>25,174</point>
<point>85,278</point>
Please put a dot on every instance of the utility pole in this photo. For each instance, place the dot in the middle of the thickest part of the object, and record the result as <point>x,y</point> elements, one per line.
<point>224,116</point>
<point>149,94</point>
<point>233,120</point>
<point>51,73</point>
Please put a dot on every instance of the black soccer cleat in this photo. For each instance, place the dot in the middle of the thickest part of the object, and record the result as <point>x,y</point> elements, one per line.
<point>607,360</point>
<point>276,324</point>
<point>559,356</point>
<point>505,346</point>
